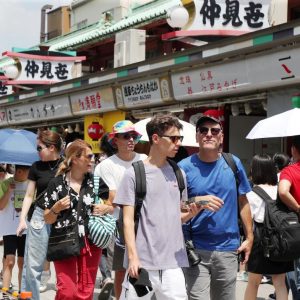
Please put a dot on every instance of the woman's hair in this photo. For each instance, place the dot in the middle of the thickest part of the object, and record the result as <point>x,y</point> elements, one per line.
<point>74,149</point>
<point>160,123</point>
<point>49,137</point>
<point>281,160</point>
<point>263,170</point>
<point>106,147</point>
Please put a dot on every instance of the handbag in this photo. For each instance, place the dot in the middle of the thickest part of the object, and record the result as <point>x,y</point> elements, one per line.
<point>101,228</point>
<point>64,242</point>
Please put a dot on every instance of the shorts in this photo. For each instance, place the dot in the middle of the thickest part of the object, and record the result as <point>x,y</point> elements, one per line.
<point>118,258</point>
<point>13,244</point>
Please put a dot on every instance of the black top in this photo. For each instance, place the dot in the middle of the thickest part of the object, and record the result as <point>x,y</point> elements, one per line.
<point>58,188</point>
<point>42,172</point>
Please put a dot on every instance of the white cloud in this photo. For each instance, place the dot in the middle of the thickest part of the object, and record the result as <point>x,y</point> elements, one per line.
<point>20,22</point>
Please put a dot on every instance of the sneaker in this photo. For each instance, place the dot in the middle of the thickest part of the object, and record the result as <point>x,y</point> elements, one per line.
<point>265,280</point>
<point>272,296</point>
<point>106,290</point>
<point>44,280</point>
<point>242,276</point>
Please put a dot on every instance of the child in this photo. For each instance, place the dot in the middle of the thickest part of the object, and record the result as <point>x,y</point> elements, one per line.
<point>12,192</point>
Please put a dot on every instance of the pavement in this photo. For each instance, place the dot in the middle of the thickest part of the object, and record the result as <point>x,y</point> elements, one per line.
<point>263,292</point>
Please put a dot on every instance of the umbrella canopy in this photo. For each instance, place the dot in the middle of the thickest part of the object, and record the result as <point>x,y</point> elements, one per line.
<point>18,147</point>
<point>189,132</point>
<point>281,125</point>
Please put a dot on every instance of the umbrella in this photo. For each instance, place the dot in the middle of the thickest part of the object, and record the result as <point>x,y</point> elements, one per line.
<point>280,125</point>
<point>18,147</point>
<point>189,132</point>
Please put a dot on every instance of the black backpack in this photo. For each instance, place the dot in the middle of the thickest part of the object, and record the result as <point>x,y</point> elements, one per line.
<point>280,235</point>
<point>141,190</point>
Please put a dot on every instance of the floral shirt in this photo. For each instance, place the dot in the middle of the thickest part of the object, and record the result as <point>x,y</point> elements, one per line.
<point>57,189</point>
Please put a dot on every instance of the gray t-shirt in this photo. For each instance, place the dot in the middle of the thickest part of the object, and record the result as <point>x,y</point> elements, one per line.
<point>160,244</point>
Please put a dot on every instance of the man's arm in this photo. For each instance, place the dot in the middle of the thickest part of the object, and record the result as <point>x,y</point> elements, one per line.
<point>246,218</point>
<point>286,197</point>
<point>129,234</point>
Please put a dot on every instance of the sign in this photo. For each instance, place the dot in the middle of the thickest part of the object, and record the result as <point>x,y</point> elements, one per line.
<point>91,101</point>
<point>228,17</point>
<point>39,111</point>
<point>38,69</point>
<point>5,89</point>
<point>141,93</point>
<point>93,131</point>
<point>264,71</point>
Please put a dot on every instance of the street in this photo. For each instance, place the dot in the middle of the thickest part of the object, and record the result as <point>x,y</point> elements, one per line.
<point>263,292</point>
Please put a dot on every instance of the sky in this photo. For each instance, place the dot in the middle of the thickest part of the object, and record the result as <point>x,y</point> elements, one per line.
<point>20,22</point>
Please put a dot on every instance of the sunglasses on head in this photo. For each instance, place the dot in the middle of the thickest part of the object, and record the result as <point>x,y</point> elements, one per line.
<point>40,148</point>
<point>204,130</point>
<point>174,138</point>
<point>128,136</point>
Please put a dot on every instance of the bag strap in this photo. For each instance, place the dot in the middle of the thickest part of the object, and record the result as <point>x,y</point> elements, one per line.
<point>231,163</point>
<point>266,198</point>
<point>96,180</point>
<point>179,176</point>
<point>140,191</point>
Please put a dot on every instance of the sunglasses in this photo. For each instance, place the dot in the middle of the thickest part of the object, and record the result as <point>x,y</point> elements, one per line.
<point>128,136</point>
<point>40,148</point>
<point>174,138</point>
<point>89,156</point>
<point>204,130</point>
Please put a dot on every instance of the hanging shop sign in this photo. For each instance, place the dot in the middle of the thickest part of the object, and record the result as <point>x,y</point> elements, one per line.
<point>39,69</point>
<point>141,93</point>
<point>39,111</point>
<point>264,71</point>
<point>93,131</point>
<point>3,118</point>
<point>227,17</point>
<point>5,89</point>
<point>91,101</point>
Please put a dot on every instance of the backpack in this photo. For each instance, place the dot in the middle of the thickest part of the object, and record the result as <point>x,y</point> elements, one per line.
<point>141,190</point>
<point>280,235</point>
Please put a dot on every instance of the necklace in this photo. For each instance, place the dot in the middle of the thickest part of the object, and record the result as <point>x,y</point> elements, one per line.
<point>54,167</point>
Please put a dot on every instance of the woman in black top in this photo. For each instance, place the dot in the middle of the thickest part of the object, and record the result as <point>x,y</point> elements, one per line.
<point>49,146</point>
<point>72,187</point>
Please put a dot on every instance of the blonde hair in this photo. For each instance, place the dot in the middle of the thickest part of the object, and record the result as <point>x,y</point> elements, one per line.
<point>74,149</point>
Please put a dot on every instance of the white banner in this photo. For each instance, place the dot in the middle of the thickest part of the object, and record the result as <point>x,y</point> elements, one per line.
<point>265,71</point>
<point>39,111</point>
<point>93,101</point>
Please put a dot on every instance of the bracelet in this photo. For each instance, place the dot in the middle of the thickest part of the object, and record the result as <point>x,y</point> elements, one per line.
<point>52,210</point>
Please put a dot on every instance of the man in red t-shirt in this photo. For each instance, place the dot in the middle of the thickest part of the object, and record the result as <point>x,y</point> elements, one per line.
<point>289,185</point>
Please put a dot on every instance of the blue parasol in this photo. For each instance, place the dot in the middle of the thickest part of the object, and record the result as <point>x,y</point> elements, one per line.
<point>18,147</point>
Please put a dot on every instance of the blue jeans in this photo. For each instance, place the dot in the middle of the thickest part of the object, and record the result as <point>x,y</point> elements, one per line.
<point>35,253</point>
<point>293,278</point>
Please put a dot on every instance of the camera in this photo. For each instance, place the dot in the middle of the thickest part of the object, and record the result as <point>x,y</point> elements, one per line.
<point>193,257</point>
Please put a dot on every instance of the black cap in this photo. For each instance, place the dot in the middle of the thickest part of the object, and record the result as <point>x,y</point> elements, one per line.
<point>206,118</point>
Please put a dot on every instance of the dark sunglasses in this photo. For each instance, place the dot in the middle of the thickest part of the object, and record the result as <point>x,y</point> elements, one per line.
<point>40,148</point>
<point>174,138</point>
<point>90,156</point>
<point>214,131</point>
<point>128,136</point>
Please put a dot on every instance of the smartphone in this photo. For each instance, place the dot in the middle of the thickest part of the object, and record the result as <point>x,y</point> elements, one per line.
<point>241,256</point>
<point>198,201</point>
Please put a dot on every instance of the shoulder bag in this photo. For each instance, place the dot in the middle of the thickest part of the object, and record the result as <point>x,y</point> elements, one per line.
<point>101,228</point>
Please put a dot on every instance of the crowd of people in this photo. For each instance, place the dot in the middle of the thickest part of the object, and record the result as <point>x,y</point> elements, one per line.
<point>45,211</point>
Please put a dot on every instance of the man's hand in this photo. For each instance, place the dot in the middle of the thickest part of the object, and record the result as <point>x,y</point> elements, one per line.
<point>134,266</point>
<point>210,202</point>
<point>245,247</point>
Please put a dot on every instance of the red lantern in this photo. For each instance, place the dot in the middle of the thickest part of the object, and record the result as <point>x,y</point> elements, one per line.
<point>95,131</point>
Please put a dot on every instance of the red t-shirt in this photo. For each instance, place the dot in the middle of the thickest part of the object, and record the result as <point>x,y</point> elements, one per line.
<point>292,174</point>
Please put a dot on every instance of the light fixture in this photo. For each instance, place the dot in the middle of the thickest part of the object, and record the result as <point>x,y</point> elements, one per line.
<point>265,105</point>
<point>178,16</point>
<point>70,129</point>
<point>235,109</point>
<point>11,71</point>
<point>77,128</point>
<point>247,108</point>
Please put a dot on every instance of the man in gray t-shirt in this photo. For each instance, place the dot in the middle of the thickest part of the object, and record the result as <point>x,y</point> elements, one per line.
<point>159,246</point>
